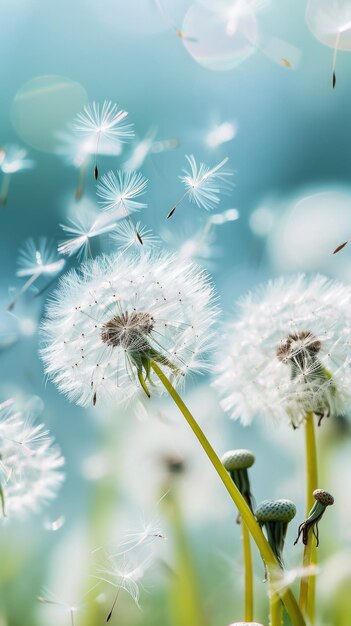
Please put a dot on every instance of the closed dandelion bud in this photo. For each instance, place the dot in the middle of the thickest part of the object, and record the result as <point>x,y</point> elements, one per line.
<point>322,500</point>
<point>275,516</point>
<point>237,462</point>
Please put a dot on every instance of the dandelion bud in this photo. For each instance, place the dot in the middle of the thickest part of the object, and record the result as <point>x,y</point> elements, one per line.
<point>237,462</point>
<point>275,516</point>
<point>323,499</point>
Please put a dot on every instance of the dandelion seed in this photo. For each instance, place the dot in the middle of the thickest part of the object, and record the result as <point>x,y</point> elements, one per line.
<point>203,184</point>
<point>125,235</point>
<point>30,464</point>
<point>56,524</point>
<point>81,230</point>
<point>340,247</point>
<point>125,571</point>
<point>283,579</point>
<point>105,122</point>
<point>330,22</point>
<point>12,160</point>
<point>140,151</point>
<point>221,134</point>
<point>105,325</point>
<point>198,245</point>
<point>118,192</point>
<point>287,354</point>
<point>36,260</point>
<point>147,146</point>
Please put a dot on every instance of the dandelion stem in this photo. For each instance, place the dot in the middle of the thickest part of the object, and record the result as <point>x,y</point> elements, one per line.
<point>271,562</point>
<point>275,609</point>
<point>307,587</point>
<point>4,191</point>
<point>23,289</point>
<point>248,573</point>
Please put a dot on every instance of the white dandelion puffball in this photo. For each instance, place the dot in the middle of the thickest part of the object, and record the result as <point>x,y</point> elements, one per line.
<point>107,324</point>
<point>288,352</point>
<point>30,464</point>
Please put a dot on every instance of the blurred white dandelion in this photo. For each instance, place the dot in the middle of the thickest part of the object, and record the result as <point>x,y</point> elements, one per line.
<point>221,133</point>
<point>198,243</point>
<point>106,121</point>
<point>30,465</point>
<point>36,259</point>
<point>80,231</point>
<point>203,185</point>
<point>147,146</point>
<point>287,352</point>
<point>126,237</point>
<point>106,325</point>
<point>171,460</point>
<point>13,159</point>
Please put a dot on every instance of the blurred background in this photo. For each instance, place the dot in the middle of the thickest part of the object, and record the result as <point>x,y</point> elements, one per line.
<point>264,99</point>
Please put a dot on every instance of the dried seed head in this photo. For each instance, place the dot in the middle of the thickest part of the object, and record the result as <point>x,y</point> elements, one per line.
<point>295,343</point>
<point>324,497</point>
<point>237,459</point>
<point>275,511</point>
<point>127,330</point>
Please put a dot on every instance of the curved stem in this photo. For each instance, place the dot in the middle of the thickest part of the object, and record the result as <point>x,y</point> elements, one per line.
<point>268,557</point>
<point>307,587</point>
<point>248,573</point>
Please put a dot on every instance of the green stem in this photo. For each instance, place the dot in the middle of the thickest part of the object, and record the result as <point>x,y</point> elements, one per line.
<point>268,557</point>
<point>307,587</point>
<point>248,573</point>
<point>185,596</point>
<point>275,610</point>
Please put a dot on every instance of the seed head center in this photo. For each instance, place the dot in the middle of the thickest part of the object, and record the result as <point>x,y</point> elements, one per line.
<point>296,345</point>
<point>128,330</point>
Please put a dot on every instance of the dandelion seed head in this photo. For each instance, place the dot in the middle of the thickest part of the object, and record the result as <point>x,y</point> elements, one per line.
<point>287,352</point>
<point>30,463</point>
<point>120,312</point>
<point>125,236</point>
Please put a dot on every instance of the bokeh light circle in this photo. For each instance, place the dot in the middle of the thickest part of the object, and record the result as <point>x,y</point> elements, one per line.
<point>220,35</point>
<point>44,106</point>
<point>309,230</point>
<point>139,17</point>
<point>330,22</point>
